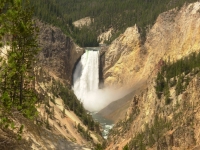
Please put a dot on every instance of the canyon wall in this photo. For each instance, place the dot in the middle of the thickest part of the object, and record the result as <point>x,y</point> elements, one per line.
<point>59,53</point>
<point>160,126</point>
<point>56,126</point>
<point>128,62</point>
<point>175,34</point>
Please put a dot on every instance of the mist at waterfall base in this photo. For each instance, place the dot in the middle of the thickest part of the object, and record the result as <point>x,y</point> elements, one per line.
<point>86,84</point>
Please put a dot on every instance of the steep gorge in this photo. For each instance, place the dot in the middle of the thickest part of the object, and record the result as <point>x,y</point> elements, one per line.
<point>131,64</point>
<point>54,70</point>
<point>57,125</point>
<point>174,35</point>
<point>59,53</point>
<point>128,62</point>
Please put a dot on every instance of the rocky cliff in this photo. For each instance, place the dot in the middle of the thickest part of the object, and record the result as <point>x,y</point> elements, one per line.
<point>56,126</point>
<point>54,71</point>
<point>58,52</point>
<point>159,126</point>
<point>121,57</point>
<point>175,34</point>
<point>150,123</point>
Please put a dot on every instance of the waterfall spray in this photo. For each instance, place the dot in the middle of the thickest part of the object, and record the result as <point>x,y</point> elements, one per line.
<point>86,83</point>
<point>86,75</point>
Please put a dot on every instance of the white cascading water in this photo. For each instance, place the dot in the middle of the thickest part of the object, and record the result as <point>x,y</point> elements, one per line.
<point>86,75</point>
<point>86,82</point>
<point>86,86</point>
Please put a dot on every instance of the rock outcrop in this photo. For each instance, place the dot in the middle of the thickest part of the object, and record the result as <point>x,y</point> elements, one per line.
<point>120,58</point>
<point>52,107</point>
<point>178,128</point>
<point>83,22</point>
<point>174,35</point>
<point>105,36</point>
<point>35,136</point>
<point>58,52</point>
<point>56,126</point>
<point>54,70</point>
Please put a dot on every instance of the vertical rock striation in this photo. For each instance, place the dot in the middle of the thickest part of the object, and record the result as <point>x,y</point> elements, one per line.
<point>59,53</point>
<point>175,34</point>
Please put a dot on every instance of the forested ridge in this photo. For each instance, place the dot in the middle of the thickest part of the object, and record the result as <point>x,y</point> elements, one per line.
<point>106,14</point>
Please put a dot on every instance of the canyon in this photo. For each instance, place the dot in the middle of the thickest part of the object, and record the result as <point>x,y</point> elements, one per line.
<point>129,64</point>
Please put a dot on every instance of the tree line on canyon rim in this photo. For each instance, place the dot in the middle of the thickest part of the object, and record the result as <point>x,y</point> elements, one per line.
<point>176,74</point>
<point>18,32</point>
<point>170,74</point>
<point>106,14</point>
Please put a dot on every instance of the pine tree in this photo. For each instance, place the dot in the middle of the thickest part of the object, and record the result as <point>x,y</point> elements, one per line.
<point>167,94</point>
<point>63,112</point>
<point>160,84</point>
<point>179,86</point>
<point>16,71</point>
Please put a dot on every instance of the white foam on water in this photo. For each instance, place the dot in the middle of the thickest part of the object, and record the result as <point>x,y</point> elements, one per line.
<point>86,76</point>
<point>86,84</point>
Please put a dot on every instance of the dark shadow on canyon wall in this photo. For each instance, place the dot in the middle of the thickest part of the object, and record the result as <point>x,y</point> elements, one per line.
<point>101,66</point>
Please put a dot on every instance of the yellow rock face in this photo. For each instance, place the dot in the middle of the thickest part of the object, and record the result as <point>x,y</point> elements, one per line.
<point>122,56</point>
<point>175,34</point>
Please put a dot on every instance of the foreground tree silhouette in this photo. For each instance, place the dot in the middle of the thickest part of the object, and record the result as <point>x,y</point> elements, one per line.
<point>18,31</point>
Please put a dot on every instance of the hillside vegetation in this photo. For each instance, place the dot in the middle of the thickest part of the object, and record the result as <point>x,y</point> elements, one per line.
<point>18,34</point>
<point>173,96</point>
<point>21,93</point>
<point>175,74</point>
<point>172,75</point>
<point>106,14</point>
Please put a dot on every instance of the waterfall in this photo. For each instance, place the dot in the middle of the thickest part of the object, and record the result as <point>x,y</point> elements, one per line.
<point>86,83</point>
<point>86,75</point>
